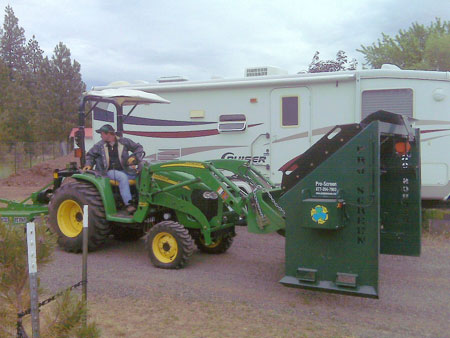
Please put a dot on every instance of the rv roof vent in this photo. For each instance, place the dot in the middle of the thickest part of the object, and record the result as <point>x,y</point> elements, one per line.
<point>264,71</point>
<point>119,84</point>
<point>390,66</point>
<point>164,79</point>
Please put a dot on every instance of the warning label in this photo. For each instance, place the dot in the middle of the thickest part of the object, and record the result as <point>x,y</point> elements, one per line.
<point>326,188</point>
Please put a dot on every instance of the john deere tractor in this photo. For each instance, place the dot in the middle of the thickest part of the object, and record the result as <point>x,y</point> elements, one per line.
<point>351,196</point>
<point>178,203</point>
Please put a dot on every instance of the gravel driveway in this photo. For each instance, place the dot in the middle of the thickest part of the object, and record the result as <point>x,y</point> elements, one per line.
<point>414,291</point>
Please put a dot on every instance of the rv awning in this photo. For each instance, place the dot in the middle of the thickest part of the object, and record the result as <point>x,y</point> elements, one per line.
<point>127,96</point>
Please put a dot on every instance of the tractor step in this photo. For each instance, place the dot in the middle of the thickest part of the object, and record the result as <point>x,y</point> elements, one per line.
<point>122,214</point>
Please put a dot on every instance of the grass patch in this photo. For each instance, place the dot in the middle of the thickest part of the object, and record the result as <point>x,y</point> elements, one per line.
<point>430,214</point>
<point>171,316</point>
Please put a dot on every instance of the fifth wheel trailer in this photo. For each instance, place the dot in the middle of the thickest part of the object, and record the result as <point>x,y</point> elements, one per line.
<point>268,117</point>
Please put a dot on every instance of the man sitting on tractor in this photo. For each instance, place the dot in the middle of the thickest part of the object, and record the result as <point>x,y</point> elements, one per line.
<point>110,156</point>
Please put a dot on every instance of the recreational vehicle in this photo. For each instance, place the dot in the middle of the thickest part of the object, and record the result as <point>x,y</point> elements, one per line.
<point>269,117</point>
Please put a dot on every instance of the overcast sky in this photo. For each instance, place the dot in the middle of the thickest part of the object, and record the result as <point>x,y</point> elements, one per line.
<point>143,40</point>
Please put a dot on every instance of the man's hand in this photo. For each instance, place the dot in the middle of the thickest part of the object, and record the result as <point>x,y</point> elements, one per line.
<point>132,161</point>
<point>86,167</point>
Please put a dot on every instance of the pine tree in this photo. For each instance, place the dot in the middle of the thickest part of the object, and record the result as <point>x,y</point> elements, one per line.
<point>40,93</point>
<point>37,78</point>
<point>16,109</point>
<point>34,56</point>
<point>45,104</point>
<point>68,87</point>
<point>12,45</point>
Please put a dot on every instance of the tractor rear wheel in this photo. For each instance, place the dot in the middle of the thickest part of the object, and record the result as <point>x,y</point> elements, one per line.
<point>218,246</point>
<point>169,245</point>
<point>66,216</point>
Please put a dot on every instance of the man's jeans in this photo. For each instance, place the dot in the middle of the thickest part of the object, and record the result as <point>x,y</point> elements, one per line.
<point>124,186</point>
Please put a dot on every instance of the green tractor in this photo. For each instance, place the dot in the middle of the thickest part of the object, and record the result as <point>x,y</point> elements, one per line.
<point>178,204</point>
<point>353,195</point>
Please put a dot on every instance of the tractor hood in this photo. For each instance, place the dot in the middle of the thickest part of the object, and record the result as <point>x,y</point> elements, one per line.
<point>125,97</point>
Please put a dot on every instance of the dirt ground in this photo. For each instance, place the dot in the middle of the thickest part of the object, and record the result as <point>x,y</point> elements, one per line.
<point>237,294</point>
<point>20,185</point>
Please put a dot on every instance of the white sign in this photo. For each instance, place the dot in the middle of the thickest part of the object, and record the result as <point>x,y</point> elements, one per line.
<point>31,240</point>
<point>326,188</point>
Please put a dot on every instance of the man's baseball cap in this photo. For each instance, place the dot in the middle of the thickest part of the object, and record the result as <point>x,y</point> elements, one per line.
<point>107,128</point>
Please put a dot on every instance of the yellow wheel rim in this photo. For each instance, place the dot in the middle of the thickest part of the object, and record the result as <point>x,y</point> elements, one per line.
<point>165,247</point>
<point>212,245</point>
<point>70,218</point>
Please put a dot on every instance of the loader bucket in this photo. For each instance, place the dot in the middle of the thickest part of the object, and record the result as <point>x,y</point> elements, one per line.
<point>353,195</point>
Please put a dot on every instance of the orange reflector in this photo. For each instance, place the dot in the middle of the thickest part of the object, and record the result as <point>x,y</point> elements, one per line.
<point>253,100</point>
<point>402,147</point>
<point>77,152</point>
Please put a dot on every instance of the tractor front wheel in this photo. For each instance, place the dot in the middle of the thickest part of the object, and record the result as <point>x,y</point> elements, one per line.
<point>169,245</point>
<point>66,216</point>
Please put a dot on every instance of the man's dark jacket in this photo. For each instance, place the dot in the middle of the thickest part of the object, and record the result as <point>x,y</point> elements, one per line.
<point>98,155</point>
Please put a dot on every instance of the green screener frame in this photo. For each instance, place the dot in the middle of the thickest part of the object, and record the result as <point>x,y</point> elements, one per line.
<point>353,195</point>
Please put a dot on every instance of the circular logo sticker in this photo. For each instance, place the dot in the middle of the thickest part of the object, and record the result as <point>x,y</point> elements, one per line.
<point>319,214</point>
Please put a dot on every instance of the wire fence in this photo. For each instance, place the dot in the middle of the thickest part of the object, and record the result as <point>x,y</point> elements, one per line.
<point>22,155</point>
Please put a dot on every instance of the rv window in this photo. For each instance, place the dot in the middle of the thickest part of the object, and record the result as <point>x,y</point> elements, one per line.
<point>398,101</point>
<point>289,111</point>
<point>232,122</point>
<point>232,117</point>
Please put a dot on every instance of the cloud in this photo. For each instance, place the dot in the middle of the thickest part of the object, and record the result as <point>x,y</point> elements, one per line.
<point>144,40</point>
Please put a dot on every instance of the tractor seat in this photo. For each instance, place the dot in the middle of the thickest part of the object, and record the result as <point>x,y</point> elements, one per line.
<point>116,183</point>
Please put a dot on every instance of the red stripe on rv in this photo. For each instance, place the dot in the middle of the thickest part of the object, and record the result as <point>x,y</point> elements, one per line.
<point>432,131</point>
<point>179,134</point>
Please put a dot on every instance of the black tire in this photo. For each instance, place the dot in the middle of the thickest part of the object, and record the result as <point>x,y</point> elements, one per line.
<point>217,247</point>
<point>169,245</point>
<point>67,204</point>
<point>126,234</point>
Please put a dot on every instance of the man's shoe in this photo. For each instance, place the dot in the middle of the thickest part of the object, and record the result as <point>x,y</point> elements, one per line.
<point>130,209</point>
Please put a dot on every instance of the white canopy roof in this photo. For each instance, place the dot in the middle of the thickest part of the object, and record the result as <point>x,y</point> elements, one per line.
<point>127,96</point>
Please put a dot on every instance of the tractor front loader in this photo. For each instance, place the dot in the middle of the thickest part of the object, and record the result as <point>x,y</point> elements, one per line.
<point>351,196</point>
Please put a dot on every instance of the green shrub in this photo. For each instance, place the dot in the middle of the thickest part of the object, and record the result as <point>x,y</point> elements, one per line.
<point>66,318</point>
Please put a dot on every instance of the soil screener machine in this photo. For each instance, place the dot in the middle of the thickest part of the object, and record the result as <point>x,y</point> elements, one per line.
<point>353,195</point>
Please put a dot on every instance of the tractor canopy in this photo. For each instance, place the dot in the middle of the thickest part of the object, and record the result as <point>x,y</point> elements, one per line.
<point>117,97</point>
<point>124,97</point>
